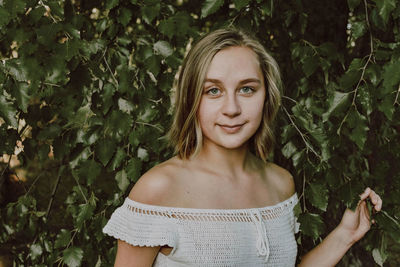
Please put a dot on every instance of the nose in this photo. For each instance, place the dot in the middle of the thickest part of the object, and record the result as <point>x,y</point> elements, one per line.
<point>231,106</point>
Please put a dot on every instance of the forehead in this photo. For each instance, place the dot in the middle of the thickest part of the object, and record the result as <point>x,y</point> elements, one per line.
<point>238,61</point>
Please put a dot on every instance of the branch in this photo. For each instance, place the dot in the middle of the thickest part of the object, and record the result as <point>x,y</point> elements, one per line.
<point>301,134</point>
<point>397,97</point>
<point>53,194</point>
<point>371,43</point>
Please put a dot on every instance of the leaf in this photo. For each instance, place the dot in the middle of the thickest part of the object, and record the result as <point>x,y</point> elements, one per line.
<point>118,158</point>
<point>289,149</point>
<point>360,129</point>
<point>8,112</point>
<point>50,132</point>
<point>318,195</point>
<point>385,8</point>
<point>386,106</point>
<point>311,225</point>
<point>73,256</point>
<point>210,6</point>
<point>110,4</point>
<point>36,251</point>
<point>309,66</point>
<point>150,12</point>
<point>4,17</point>
<point>125,106</point>
<point>358,29</point>
<point>353,4</point>
<point>391,76</point>
<point>337,102</point>
<point>163,48</point>
<point>125,16</point>
<point>133,169</point>
<point>85,212</point>
<point>88,171</point>
<point>376,254</point>
<point>20,92</point>
<point>63,239</point>
<point>239,4</point>
<point>122,180</point>
<point>105,150</point>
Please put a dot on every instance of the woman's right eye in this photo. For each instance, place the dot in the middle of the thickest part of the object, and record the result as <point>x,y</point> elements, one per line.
<point>213,91</point>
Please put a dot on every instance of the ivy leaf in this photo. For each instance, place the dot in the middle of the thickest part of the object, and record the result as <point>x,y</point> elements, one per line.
<point>210,6</point>
<point>73,256</point>
<point>311,225</point>
<point>163,48</point>
<point>122,180</point>
<point>8,112</point>
<point>63,239</point>
<point>318,195</point>
<point>105,150</point>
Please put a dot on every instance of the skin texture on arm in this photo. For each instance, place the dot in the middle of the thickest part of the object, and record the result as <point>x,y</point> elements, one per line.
<point>134,256</point>
<point>354,225</point>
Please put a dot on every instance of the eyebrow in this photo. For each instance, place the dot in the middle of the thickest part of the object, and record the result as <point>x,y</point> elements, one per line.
<point>249,80</point>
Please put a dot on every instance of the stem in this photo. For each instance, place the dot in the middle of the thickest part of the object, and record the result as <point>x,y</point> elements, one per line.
<point>53,194</point>
<point>371,43</point>
<point>301,134</point>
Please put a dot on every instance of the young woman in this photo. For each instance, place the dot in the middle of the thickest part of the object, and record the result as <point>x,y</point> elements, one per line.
<point>218,202</point>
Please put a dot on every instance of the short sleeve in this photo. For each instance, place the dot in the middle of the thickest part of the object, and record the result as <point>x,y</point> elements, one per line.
<point>295,224</point>
<point>142,225</point>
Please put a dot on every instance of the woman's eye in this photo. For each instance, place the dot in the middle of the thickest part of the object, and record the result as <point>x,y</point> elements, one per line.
<point>213,91</point>
<point>246,90</point>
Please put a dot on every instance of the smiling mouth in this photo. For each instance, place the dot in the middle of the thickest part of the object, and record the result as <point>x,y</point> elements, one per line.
<point>231,128</point>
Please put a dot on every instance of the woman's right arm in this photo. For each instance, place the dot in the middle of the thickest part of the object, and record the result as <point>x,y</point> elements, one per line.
<point>135,256</point>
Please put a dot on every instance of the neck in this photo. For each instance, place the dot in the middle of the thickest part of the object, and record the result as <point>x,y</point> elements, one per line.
<point>233,162</point>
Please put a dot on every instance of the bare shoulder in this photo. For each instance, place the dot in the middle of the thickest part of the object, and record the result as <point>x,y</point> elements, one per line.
<point>281,179</point>
<point>158,185</point>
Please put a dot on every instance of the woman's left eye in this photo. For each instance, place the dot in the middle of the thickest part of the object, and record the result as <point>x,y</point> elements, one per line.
<point>246,90</point>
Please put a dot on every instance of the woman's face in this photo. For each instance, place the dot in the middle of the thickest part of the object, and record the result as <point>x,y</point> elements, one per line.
<point>231,107</point>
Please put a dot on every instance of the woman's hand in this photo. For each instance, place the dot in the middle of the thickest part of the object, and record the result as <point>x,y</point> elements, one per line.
<point>355,224</point>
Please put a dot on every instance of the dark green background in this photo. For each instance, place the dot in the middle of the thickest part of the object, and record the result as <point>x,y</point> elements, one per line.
<point>90,82</point>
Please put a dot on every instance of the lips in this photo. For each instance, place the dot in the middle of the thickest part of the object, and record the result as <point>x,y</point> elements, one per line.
<point>231,129</point>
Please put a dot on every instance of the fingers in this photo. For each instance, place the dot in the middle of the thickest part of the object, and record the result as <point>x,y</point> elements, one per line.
<point>374,197</point>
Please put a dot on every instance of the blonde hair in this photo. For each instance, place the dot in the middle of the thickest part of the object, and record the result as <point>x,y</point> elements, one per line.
<point>185,134</point>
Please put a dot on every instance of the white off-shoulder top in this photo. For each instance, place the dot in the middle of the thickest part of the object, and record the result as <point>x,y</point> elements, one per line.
<point>210,237</point>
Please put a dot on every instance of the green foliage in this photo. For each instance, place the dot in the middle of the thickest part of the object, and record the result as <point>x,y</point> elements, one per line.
<point>85,88</point>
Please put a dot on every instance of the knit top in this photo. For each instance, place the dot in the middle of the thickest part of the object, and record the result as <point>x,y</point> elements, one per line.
<point>210,237</point>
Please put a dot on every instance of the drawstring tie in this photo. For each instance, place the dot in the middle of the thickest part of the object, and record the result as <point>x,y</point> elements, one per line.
<point>262,239</point>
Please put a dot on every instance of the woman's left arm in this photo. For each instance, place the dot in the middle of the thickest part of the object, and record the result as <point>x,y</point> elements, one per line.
<point>354,225</point>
